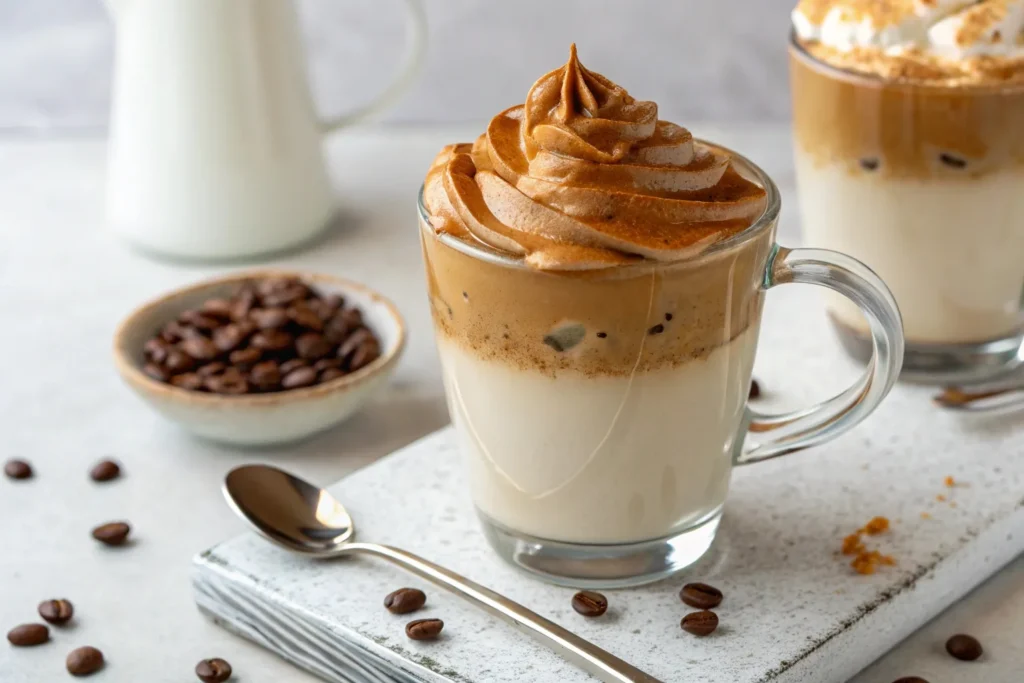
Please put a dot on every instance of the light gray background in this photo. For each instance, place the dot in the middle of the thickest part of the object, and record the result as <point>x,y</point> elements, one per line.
<point>700,60</point>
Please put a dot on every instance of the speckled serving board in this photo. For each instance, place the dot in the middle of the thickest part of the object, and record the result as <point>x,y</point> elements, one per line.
<point>793,612</point>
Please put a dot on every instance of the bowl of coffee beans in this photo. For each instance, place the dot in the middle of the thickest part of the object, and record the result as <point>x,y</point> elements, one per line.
<point>260,358</point>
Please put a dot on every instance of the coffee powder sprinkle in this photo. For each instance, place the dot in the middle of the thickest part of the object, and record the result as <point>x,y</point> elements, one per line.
<point>866,561</point>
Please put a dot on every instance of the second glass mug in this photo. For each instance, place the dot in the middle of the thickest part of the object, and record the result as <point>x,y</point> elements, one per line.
<point>599,413</point>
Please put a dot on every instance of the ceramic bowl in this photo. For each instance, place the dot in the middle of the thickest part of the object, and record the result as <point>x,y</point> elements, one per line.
<point>259,419</point>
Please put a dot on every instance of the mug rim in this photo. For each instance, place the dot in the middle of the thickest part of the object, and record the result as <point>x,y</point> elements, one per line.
<point>765,221</point>
<point>799,51</point>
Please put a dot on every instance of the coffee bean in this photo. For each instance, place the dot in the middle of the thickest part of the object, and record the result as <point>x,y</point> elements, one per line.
<point>213,670</point>
<point>294,364</point>
<point>269,318</point>
<point>266,375</point>
<point>189,381</point>
<point>331,373</point>
<point>353,317</point>
<point>657,329</point>
<point>229,337</point>
<point>869,163</point>
<point>405,600</point>
<point>964,647</point>
<point>326,363</point>
<point>155,371</point>
<point>367,352</point>
<point>199,348</point>
<point>198,321</point>
<point>910,679</point>
<point>211,369</point>
<point>312,346</point>
<point>156,350</point>
<point>424,629</point>
<point>84,661</point>
<point>18,469</point>
<point>700,623</point>
<point>56,611</point>
<point>285,296</point>
<point>242,303</point>
<point>271,340</point>
<point>216,308</point>
<point>302,377</point>
<point>700,595</point>
<point>590,603</point>
<point>112,533</point>
<point>353,342</point>
<point>245,358</point>
<point>178,362</point>
<point>231,383</point>
<point>276,283</point>
<point>336,330</point>
<point>105,470</point>
<point>755,389</point>
<point>28,635</point>
<point>173,332</point>
<point>306,317</point>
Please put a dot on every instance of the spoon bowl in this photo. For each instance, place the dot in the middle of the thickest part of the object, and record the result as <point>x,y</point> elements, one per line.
<point>288,510</point>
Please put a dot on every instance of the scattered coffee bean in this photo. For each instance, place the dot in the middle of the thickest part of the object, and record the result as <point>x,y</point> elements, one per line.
<point>700,595</point>
<point>869,164</point>
<point>910,679</point>
<point>755,389</point>
<point>424,629</point>
<point>105,470</point>
<point>405,600</point>
<point>113,533</point>
<point>700,623</point>
<point>668,317</point>
<point>602,335</point>
<point>657,329</point>
<point>28,635</point>
<point>84,661</point>
<point>56,611</point>
<point>964,647</point>
<point>213,670</point>
<point>590,603</point>
<point>18,469</point>
<point>260,339</point>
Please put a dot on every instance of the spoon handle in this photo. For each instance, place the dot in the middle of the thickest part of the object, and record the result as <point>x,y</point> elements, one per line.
<point>604,665</point>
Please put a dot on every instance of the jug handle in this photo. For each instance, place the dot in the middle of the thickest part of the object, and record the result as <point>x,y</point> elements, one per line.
<point>416,28</point>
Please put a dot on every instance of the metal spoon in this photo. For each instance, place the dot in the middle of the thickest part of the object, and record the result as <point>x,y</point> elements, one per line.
<point>306,519</point>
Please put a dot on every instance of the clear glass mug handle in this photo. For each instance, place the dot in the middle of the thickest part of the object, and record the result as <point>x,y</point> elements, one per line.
<point>416,52</point>
<point>800,429</point>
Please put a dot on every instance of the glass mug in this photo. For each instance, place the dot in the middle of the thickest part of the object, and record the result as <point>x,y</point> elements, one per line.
<point>925,184</point>
<point>599,413</point>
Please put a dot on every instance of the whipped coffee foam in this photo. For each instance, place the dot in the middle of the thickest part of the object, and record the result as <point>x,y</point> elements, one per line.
<point>923,39</point>
<point>584,176</point>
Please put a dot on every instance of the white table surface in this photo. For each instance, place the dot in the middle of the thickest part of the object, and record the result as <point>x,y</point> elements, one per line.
<point>64,285</point>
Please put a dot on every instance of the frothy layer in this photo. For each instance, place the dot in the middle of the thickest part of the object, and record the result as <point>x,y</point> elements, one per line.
<point>955,41</point>
<point>583,176</point>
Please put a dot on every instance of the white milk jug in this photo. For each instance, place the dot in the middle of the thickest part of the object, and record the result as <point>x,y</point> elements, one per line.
<point>215,145</point>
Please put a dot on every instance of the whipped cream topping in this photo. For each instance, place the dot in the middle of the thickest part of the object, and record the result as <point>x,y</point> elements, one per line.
<point>948,29</point>
<point>584,176</point>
